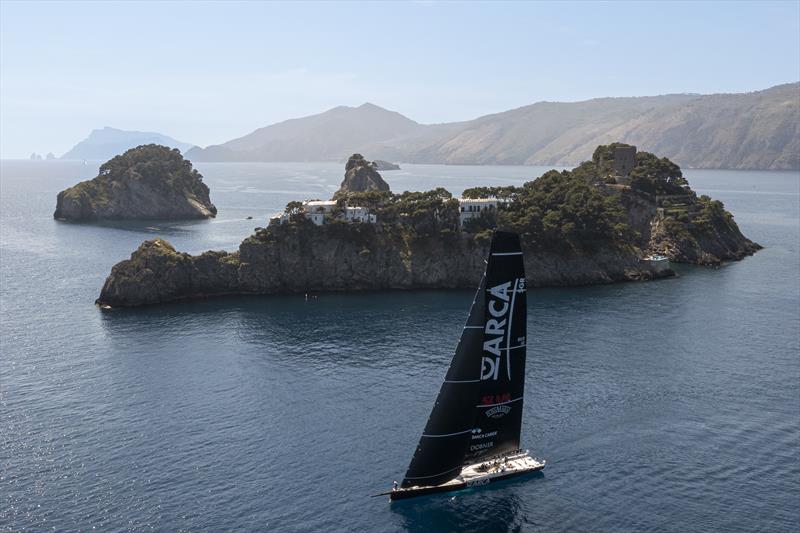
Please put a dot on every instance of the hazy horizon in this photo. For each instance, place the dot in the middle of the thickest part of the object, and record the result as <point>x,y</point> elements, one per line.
<point>207,73</point>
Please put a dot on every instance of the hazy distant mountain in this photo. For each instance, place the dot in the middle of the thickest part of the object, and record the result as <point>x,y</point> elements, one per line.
<point>109,142</point>
<point>329,136</point>
<point>749,130</point>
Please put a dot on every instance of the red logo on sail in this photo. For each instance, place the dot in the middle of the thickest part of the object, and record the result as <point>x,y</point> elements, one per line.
<point>497,404</point>
<point>492,399</point>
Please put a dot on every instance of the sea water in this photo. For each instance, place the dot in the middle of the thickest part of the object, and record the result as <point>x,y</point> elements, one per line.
<point>671,405</point>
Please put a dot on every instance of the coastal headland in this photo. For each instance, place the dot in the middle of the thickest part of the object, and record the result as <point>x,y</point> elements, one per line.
<point>604,221</point>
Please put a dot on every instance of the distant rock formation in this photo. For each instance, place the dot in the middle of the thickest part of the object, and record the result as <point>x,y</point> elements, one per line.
<point>360,176</point>
<point>35,157</point>
<point>147,182</point>
<point>50,156</point>
<point>380,164</point>
<point>103,144</point>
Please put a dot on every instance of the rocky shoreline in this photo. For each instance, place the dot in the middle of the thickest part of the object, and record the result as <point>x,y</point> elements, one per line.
<point>306,258</point>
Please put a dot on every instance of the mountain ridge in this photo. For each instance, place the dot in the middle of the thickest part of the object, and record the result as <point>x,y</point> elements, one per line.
<point>754,130</point>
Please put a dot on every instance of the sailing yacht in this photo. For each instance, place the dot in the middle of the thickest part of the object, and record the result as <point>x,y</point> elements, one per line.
<point>472,437</point>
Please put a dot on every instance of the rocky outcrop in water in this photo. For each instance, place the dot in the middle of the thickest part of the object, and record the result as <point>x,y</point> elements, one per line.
<point>380,164</point>
<point>147,182</point>
<point>361,176</point>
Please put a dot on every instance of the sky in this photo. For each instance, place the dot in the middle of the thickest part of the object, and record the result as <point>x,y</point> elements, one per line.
<point>207,72</point>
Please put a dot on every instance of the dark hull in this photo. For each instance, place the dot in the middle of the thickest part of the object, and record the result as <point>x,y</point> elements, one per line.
<point>404,494</point>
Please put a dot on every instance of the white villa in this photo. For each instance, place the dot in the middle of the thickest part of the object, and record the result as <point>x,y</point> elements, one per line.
<point>315,210</point>
<point>473,207</point>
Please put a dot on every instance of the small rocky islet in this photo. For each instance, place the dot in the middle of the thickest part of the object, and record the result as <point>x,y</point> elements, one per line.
<point>380,164</point>
<point>147,182</point>
<point>593,224</point>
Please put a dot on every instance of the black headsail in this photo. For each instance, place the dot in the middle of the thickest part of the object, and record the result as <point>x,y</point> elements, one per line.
<point>479,407</point>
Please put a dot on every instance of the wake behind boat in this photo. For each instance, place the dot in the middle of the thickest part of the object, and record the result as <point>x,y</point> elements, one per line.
<point>472,437</point>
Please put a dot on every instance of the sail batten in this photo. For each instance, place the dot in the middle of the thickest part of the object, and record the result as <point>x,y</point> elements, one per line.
<point>448,434</point>
<point>478,411</point>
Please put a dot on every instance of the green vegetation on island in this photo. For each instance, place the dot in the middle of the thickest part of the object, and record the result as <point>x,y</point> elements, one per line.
<point>593,224</point>
<point>578,211</point>
<point>146,182</point>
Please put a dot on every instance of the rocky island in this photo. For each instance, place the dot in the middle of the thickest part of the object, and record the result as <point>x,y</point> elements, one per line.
<point>146,182</point>
<point>361,175</point>
<point>594,224</point>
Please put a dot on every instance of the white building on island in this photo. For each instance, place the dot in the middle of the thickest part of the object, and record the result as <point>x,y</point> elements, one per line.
<point>473,207</point>
<point>315,211</point>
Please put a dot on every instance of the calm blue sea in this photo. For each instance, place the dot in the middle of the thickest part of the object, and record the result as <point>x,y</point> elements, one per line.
<point>668,406</point>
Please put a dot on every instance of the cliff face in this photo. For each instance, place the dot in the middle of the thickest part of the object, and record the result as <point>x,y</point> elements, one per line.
<point>158,273</point>
<point>690,230</point>
<point>706,242</point>
<point>148,182</point>
<point>301,257</point>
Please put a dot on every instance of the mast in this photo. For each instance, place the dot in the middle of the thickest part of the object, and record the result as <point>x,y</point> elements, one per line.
<point>478,410</point>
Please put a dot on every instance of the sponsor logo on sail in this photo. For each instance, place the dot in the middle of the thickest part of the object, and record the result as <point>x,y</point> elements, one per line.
<point>478,434</point>
<point>498,411</point>
<point>481,446</point>
<point>493,399</point>
<point>500,307</point>
<point>496,403</point>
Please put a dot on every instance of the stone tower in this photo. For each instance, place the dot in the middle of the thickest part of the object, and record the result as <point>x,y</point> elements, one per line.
<point>624,160</point>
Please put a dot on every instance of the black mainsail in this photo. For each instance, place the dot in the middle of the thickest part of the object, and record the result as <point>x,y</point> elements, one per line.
<point>478,411</point>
